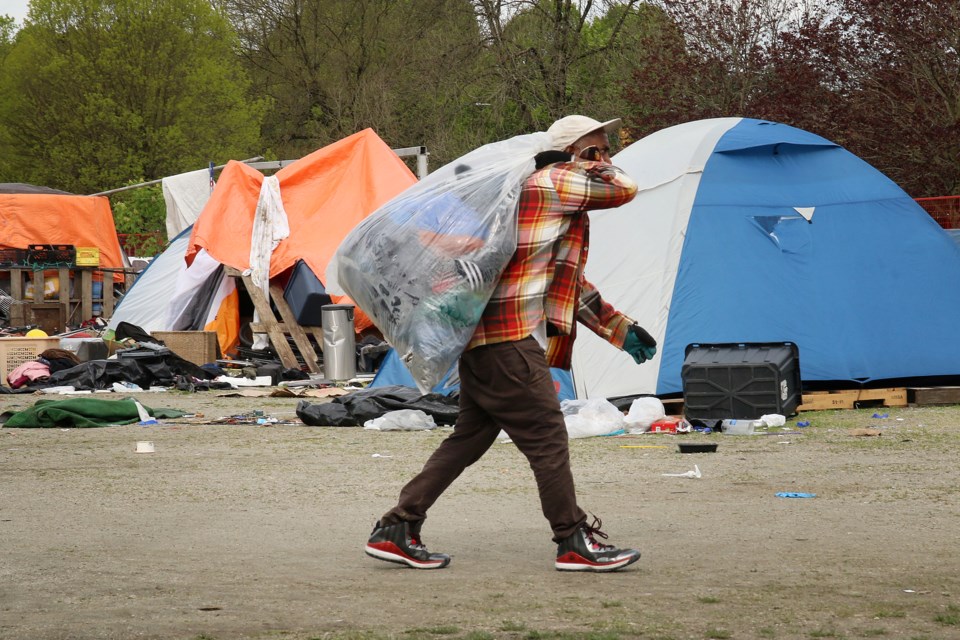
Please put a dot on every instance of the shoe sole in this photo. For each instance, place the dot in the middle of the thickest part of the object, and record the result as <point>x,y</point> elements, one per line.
<point>391,553</point>
<point>586,565</point>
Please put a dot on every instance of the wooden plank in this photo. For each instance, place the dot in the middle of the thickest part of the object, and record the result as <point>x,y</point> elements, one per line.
<point>63,275</point>
<point>317,333</point>
<point>673,406</point>
<point>852,398</point>
<point>86,295</point>
<point>16,284</point>
<point>267,320</point>
<point>894,397</point>
<point>294,329</point>
<point>825,401</point>
<point>108,302</point>
<point>65,282</point>
<point>933,395</point>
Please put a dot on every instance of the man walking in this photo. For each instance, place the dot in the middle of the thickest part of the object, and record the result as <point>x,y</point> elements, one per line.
<point>527,327</point>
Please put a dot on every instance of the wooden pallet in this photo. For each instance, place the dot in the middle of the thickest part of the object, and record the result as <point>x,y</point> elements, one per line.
<point>673,406</point>
<point>278,331</point>
<point>853,399</point>
<point>933,395</point>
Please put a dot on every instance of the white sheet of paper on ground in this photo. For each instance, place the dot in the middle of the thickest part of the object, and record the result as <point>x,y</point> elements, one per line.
<point>693,473</point>
<point>259,381</point>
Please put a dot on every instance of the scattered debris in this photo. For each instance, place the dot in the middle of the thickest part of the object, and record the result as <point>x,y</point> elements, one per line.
<point>694,473</point>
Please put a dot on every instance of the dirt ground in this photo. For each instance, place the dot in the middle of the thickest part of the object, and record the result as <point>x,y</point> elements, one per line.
<point>246,531</point>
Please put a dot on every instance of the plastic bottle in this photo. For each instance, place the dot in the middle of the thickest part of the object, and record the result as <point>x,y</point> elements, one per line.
<point>735,427</point>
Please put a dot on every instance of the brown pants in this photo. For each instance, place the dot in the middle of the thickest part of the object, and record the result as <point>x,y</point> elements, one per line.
<point>506,385</point>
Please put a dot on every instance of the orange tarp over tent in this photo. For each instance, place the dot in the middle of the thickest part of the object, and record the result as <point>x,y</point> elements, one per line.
<point>82,221</point>
<point>325,195</point>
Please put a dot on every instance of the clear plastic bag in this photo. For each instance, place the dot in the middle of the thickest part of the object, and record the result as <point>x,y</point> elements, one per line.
<point>423,266</point>
<point>595,417</point>
<point>643,413</point>
<point>401,420</point>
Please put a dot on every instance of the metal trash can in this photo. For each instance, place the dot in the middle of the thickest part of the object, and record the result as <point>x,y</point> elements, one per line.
<point>339,342</point>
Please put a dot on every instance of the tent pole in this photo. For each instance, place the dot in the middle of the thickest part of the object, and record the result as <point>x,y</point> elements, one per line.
<point>159,180</point>
<point>420,152</point>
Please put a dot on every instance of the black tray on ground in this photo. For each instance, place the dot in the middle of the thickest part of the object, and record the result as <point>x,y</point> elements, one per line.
<point>697,447</point>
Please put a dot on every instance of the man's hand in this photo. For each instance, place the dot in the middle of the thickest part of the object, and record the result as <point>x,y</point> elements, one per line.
<point>639,344</point>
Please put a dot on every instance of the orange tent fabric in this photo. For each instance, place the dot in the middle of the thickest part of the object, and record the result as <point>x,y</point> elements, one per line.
<point>325,195</point>
<point>83,221</point>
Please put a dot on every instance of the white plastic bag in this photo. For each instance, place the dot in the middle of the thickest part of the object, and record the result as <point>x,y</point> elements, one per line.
<point>771,420</point>
<point>423,266</point>
<point>597,417</point>
<point>401,420</point>
<point>643,413</point>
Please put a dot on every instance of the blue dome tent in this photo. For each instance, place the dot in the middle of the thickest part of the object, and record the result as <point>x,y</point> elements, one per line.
<point>751,231</point>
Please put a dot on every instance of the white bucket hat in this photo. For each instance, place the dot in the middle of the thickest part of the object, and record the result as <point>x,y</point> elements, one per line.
<point>565,131</point>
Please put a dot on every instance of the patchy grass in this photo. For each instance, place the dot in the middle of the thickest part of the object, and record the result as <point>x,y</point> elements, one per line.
<point>448,630</point>
<point>887,613</point>
<point>951,618</point>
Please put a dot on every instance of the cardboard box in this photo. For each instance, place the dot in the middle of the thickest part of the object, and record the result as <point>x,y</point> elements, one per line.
<point>15,351</point>
<point>199,347</point>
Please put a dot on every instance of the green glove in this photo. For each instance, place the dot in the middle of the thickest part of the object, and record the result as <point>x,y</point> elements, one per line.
<point>639,344</point>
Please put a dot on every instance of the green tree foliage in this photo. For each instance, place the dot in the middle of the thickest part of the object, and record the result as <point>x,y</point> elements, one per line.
<point>141,212</point>
<point>97,93</point>
<point>7,30</point>
<point>903,61</point>
<point>334,67</point>
<point>880,77</point>
<point>551,58</point>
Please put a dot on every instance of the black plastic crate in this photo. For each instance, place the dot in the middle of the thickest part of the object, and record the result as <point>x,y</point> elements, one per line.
<point>741,380</point>
<point>306,295</point>
<point>51,254</point>
<point>10,257</point>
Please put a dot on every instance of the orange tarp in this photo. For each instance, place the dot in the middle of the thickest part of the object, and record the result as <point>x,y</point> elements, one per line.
<point>83,221</point>
<point>325,194</point>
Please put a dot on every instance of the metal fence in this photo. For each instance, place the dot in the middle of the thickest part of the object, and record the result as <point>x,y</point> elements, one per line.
<point>944,209</point>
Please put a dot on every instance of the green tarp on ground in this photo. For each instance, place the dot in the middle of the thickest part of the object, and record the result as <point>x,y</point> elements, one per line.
<point>83,412</point>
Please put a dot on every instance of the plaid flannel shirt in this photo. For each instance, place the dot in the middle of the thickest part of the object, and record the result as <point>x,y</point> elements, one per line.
<point>544,279</point>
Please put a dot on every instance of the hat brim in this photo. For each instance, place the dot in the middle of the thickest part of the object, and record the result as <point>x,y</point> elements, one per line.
<point>610,126</point>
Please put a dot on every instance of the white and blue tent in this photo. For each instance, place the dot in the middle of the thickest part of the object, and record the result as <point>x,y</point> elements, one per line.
<point>752,231</point>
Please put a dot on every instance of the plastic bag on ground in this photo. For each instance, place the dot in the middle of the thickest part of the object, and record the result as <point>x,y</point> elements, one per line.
<point>771,420</point>
<point>597,417</point>
<point>401,420</point>
<point>424,265</point>
<point>643,413</point>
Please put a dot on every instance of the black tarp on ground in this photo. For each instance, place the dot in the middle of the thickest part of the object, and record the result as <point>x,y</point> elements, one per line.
<point>155,371</point>
<point>353,409</point>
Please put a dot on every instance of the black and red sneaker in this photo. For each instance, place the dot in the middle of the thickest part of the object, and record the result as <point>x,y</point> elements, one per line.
<point>582,552</point>
<point>396,543</point>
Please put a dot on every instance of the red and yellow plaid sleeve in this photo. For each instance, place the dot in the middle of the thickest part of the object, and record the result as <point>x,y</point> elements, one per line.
<point>600,317</point>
